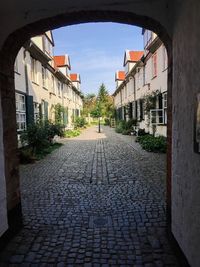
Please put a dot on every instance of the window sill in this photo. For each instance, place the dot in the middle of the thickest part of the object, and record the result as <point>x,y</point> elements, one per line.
<point>51,93</point>
<point>35,83</point>
<point>153,77</point>
<point>16,72</point>
<point>165,69</point>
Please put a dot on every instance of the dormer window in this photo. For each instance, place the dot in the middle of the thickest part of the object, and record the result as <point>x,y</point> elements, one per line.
<point>48,47</point>
<point>147,37</point>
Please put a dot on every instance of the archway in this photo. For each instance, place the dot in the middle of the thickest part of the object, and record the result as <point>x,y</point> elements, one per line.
<point>8,54</point>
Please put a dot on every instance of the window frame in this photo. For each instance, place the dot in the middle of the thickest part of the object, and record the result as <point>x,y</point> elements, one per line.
<point>34,70</point>
<point>154,65</point>
<point>20,112</point>
<point>159,119</point>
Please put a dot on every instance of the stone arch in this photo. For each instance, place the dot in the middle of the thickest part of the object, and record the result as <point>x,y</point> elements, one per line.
<point>7,89</point>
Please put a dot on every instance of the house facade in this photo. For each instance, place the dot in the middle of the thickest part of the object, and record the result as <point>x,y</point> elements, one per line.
<point>43,84</point>
<point>141,89</point>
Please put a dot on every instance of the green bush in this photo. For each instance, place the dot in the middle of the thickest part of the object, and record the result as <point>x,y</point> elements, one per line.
<point>80,122</point>
<point>39,135</point>
<point>126,132</point>
<point>120,126</point>
<point>71,133</point>
<point>129,124</point>
<point>153,144</point>
<point>107,122</point>
<point>125,127</point>
<point>141,132</point>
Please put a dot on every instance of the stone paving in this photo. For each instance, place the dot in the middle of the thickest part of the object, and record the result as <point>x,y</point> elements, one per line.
<point>97,201</point>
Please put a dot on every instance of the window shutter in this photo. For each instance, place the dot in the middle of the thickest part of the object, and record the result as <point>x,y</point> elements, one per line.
<point>130,110</point>
<point>124,113</point>
<point>65,117</point>
<point>141,110</point>
<point>160,101</point>
<point>136,113</point>
<point>138,110</point>
<point>46,110</point>
<point>29,109</point>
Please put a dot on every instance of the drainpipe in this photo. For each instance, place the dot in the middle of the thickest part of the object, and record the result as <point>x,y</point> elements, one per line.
<point>26,73</point>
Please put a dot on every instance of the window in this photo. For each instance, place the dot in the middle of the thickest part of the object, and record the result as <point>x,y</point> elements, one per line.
<point>44,77</point>
<point>59,89</point>
<point>165,107</point>
<point>144,75</point>
<point>165,59</point>
<point>125,90</point>
<point>147,37</point>
<point>44,110</point>
<point>34,70</point>
<point>20,112</point>
<point>53,84</point>
<point>154,65</point>
<point>16,67</point>
<point>48,47</point>
<point>157,116</point>
<point>36,111</point>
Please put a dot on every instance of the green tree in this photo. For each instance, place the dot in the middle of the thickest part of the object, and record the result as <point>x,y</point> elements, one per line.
<point>105,102</point>
<point>89,104</point>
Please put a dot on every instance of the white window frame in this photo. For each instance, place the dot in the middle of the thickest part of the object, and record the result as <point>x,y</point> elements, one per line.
<point>157,116</point>
<point>36,111</point>
<point>20,111</point>
<point>44,77</point>
<point>165,107</point>
<point>154,65</point>
<point>53,84</point>
<point>48,47</point>
<point>59,88</point>
<point>16,65</point>
<point>165,58</point>
<point>34,71</point>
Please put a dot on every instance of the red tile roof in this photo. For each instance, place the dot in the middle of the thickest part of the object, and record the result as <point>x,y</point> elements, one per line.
<point>135,55</point>
<point>120,75</point>
<point>74,77</point>
<point>61,61</point>
<point>132,56</point>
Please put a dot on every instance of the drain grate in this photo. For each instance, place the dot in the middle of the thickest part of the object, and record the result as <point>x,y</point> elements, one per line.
<point>100,221</point>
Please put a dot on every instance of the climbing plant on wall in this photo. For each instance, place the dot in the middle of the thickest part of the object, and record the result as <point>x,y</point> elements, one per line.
<point>150,101</point>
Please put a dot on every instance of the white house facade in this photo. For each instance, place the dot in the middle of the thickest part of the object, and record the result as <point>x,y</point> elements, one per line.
<point>42,82</point>
<point>141,89</point>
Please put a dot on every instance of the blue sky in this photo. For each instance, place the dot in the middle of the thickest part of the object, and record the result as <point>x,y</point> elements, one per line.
<point>96,51</point>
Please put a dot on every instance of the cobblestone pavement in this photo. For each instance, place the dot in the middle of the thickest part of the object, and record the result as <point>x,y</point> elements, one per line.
<point>97,201</point>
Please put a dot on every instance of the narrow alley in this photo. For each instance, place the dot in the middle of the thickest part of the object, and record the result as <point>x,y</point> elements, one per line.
<point>99,200</point>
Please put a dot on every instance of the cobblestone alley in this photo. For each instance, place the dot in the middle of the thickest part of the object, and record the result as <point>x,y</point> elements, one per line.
<point>99,200</point>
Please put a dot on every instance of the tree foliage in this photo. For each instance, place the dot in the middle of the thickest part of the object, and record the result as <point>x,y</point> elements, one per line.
<point>105,102</point>
<point>89,104</point>
<point>100,105</point>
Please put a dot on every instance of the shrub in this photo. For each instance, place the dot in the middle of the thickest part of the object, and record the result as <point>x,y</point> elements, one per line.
<point>153,144</point>
<point>107,122</point>
<point>71,133</point>
<point>80,122</point>
<point>129,124</point>
<point>120,126</point>
<point>53,130</point>
<point>126,132</point>
<point>36,137</point>
<point>125,127</point>
<point>39,135</point>
<point>141,132</point>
